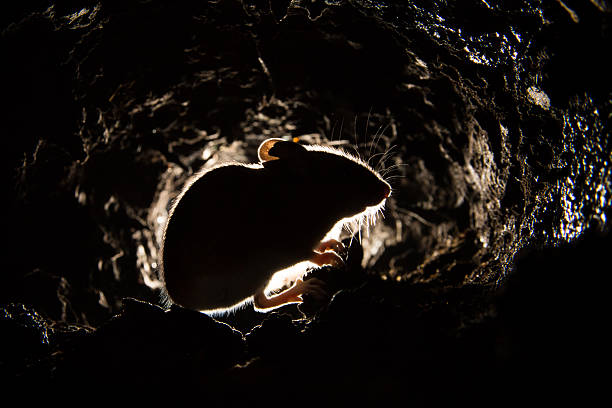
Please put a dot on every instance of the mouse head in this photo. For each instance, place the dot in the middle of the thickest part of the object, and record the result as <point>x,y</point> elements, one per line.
<point>327,172</point>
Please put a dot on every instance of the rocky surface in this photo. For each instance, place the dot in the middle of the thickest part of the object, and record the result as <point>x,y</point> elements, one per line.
<point>486,276</point>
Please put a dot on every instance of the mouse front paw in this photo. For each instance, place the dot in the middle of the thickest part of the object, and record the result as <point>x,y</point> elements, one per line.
<point>331,245</point>
<point>327,258</point>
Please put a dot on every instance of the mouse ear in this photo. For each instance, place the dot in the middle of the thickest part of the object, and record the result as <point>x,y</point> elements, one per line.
<point>274,149</point>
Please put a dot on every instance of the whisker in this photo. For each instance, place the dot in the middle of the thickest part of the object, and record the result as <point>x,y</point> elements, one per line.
<point>366,129</point>
<point>374,144</point>
<point>389,169</point>
<point>360,239</point>
<point>381,133</point>
<point>333,129</point>
<point>385,156</point>
<point>392,179</point>
<point>355,135</point>
<point>374,155</point>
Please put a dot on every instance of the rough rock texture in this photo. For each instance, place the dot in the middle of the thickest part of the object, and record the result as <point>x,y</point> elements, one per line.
<point>486,275</point>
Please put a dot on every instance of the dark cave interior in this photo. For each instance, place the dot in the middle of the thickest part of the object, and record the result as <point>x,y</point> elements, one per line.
<point>486,274</point>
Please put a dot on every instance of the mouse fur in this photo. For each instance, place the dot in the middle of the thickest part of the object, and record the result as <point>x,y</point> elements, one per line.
<point>233,226</point>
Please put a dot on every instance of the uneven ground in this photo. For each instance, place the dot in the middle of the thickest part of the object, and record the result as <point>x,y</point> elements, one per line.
<point>485,281</point>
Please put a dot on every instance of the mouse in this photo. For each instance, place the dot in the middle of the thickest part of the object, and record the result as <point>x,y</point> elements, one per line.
<point>233,226</point>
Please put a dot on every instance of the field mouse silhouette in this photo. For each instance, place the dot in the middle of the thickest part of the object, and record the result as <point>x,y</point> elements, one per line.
<point>235,225</point>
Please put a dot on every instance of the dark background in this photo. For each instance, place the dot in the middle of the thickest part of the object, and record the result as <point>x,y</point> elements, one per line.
<point>485,281</point>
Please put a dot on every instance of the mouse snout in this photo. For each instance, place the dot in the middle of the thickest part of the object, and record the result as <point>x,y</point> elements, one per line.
<point>386,190</point>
